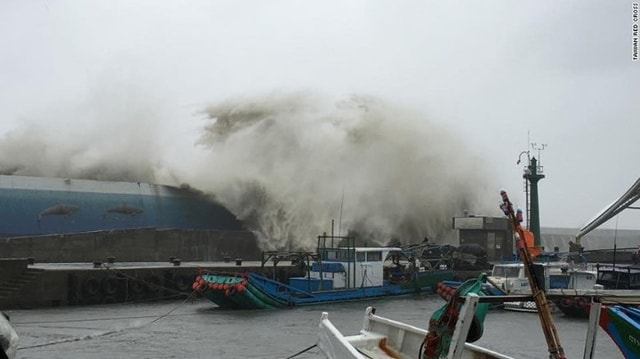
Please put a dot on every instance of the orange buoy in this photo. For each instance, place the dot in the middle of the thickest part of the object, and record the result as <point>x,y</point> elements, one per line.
<point>231,291</point>
<point>240,288</point>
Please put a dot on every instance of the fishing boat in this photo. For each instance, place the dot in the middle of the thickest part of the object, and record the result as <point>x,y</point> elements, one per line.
<point>453,327</point>
<point>623,326</point>
<point>382,337</point>
<point>613,280</point>
<point>578,306</point>
<point>8,338</point>
<point>339,271</point>
<point>385,338</point>
<point>511,279</point>
<point>618,277</point>
<point>608,277</point>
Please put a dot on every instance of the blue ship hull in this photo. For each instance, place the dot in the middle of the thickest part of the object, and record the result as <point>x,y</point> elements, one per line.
<point>255,291</point>
<point>623,326</point>
<point>39,206</point>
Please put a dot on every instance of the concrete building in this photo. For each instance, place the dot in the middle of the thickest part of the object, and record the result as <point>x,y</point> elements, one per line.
<point>492,233</point>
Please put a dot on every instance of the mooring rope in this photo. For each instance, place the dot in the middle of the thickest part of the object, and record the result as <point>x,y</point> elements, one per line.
<point>303,351</point>
<point>110,332</point>
<point>157,286</point>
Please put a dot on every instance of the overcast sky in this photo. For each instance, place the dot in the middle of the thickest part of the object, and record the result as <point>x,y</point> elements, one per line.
<point>496,74</point>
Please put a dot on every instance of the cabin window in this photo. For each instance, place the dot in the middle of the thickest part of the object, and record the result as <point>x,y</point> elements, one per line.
<point>374,256</point>
<point>623,277</point>
<point>608,276</point>
<point>360,256</point>
<point>508,272</point>
<point>345,255</point>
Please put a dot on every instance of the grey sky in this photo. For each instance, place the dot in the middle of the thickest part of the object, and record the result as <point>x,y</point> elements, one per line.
<point>492,72</point>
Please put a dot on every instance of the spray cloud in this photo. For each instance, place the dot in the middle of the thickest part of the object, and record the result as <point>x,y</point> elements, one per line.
<point>287,164</point>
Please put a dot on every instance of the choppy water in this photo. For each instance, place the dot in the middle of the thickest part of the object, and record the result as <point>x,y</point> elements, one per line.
<point>198,329</point>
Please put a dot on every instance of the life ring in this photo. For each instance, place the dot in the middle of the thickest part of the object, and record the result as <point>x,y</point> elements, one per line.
<point>182,283</point>
<point>231,291</point>
<point>135,286</point>
<point>91,287</point>
<point>581,303</point>
<point>154,284</point>
<point>110,286</point>
<point>566,303</point>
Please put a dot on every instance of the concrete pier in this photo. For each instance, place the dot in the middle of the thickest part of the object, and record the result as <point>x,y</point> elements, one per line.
<point>25,285</point>
<point>121,266</point>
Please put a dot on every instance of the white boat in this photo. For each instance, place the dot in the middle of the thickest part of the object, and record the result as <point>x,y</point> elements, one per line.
<point>381,337</point>
<point>8,338</point>
<point>512,279</point>
<point>384,338</point>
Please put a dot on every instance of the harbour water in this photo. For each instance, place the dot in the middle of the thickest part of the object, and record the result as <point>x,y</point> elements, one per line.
<point>198,329</point>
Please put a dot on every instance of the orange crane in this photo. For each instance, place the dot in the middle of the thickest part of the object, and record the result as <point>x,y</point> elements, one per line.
<point>536,282</point>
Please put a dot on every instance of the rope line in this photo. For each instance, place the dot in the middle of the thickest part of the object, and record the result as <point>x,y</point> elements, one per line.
<point>157,286</point>
<point>109,332</point>
<point>88,320</point>
<point>302,351</point>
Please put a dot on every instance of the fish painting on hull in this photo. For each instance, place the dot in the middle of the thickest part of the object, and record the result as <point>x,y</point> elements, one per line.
<point>59,210</point>
<point>124,209</point>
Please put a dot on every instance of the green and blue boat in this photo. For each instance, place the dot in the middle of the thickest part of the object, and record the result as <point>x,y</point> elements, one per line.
<point>338,273</point>
<point>622,323</point>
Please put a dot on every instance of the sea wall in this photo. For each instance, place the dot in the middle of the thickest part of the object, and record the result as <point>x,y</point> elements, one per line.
<point>61,284</point>
<point>135,245</point>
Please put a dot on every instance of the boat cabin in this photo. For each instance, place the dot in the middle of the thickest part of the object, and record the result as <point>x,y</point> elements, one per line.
<point>353,267</point>
<point>512,279</point>
<point>618,277</point>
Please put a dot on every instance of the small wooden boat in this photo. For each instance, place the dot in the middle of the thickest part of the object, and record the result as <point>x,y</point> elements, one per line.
<point>382,337</point>
<point>336,273</point>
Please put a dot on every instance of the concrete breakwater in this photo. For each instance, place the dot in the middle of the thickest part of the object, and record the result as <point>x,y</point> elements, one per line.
<point>26,285</point>
<point>119,266</point>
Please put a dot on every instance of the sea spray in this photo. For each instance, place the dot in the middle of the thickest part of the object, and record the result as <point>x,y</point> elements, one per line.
<point>287,164</point>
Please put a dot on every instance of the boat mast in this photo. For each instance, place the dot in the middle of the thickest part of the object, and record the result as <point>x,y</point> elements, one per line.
<point>537,291</point>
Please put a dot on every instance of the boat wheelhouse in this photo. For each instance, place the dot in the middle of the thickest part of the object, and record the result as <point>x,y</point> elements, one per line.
<point>618,277</point>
